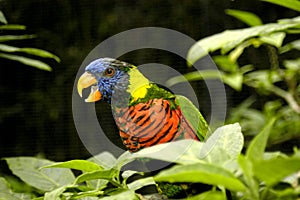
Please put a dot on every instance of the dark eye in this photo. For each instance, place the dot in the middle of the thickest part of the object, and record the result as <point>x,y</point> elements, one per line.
<point>110,72</point>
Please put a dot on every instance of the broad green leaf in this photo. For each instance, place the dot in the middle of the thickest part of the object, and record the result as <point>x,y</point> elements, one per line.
<point>210,195</point>
<point>201,173</point>
<point>83,165</point>
<point>247,17</point>
<point>256,148</point>
<point>182,152</point>
<point>135,185</point>
<point>229,39</point>
<point>6,38</point>
<point>7,194</point>
<point>99,174</point>
<point>28,170</point>
<point>27,61</point>
<point>292,4</point>
<point>104,159</point>
<point>274,170</point>
<point>12,27</point>
<point>126,195</point>
<point>226,140</point>
<point>2,18</point>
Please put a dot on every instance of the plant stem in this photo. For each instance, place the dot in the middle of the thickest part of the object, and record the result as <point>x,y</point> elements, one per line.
<point>286,96</point>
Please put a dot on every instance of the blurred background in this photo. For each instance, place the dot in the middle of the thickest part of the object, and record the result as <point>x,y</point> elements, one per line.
<point>36,105</point>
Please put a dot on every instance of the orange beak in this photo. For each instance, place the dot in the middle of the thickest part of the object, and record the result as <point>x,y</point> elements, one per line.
<point>88,80</point>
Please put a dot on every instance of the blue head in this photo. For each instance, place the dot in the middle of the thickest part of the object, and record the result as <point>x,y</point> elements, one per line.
<point>105,76</point>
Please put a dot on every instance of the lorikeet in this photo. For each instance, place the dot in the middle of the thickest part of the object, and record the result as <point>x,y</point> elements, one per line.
<point>145,113</point>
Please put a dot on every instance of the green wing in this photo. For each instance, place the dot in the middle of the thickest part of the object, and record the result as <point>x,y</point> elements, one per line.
<point>193,115</point>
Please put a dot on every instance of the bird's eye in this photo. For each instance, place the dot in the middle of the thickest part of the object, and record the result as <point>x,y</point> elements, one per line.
<point>110,72</point>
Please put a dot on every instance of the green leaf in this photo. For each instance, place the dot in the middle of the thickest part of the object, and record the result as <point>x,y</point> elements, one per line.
<point>229,39</point>
<point>83,165</point>
<point>31,51</point>
<point>6,38</point>
<point>28,170</point>
<point>55,194</point>
<point>210,195</point>
<point>247,168</point>
<point>201,173</point>
<point>234,80</point>
<point>292,45</point>
<point>104,159</point>
<point>99,174</point>
<point>247,17</point>
<point>257,146</point>
<point>27,61</point>
<point>225,63</point>
<point>274,170</point>
<point>182,152</point>
<point>292,4</point>
<point>6,193</point>
<point>135,185</point>
<point>226,140</point>
<point>12,27</point>
<point>275,39</point>
<point>2,18</point>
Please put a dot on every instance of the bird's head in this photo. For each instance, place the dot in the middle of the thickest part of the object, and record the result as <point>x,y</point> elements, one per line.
<point>107,77</point>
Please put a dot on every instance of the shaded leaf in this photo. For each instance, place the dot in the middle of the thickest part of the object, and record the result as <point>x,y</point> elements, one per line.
<point>32,51</point>
<point>292,4</point>
<point>28,169</point>
<point>247,17</point>
<point>27,61</point>
<point>83,165</point>
<point>274,170</point>
<point>210,195</point>
<point>126,195</point>
<point>12,27</point>
<point>229,39</point>
<point>6,38</point>
<point>2,18</point>
<point>257,146</point>
<point>202,173</point>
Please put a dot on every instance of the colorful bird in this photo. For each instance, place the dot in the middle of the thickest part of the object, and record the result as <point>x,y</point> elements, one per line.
<point>145,113</point>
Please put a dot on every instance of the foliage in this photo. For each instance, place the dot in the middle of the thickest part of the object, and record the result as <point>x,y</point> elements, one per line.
<point>12,52</point>
<point>278,79</point>
<point>218,162</point>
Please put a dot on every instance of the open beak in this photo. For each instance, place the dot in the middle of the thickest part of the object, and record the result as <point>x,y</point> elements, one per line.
<point>88,80</point>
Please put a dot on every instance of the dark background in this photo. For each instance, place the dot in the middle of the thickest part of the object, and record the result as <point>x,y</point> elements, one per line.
<point>36,106</point>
